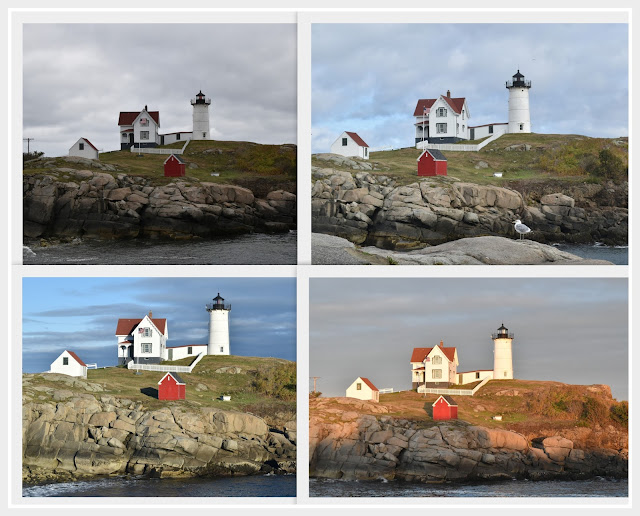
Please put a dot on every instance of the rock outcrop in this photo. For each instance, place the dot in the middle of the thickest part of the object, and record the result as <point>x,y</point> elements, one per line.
<point>84,435</point>
<point>66,202</point>
<point>370,447</point>
<point>371,209</point>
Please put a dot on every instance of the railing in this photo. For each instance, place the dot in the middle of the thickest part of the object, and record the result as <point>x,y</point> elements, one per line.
<point>221,306</point>
<point>386,391</point>
<point>502,336</point>
<point>92,366</point>
<point>458,147</point>
<point>458,392</point>
<point>518,84</point>
<point>166,368</point>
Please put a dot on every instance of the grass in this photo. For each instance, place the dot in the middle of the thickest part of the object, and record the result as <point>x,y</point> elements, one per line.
<point>124,383</point>
<point>562,157</point>
<point>261,168</point>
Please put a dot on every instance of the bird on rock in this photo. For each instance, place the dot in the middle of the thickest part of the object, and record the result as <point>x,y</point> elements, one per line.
<point>521,228</point>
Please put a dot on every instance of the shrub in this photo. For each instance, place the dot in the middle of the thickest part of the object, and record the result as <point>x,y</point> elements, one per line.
<point>278,381</point>
<point>620,413</point>
<point>594,411</point>
<point>27,156</point>
<point>609,166</point>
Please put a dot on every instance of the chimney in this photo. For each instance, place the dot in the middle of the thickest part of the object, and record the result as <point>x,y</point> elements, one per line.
<point>145,106</point>
<point>441,344</point>
<point>150,314</point>
<point>448,94</point>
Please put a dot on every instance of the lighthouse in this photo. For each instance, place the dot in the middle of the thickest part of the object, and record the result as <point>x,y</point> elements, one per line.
<point>502,358</point>
<point>200,116</point>
<point>519,118</point>
<point>218,327</point>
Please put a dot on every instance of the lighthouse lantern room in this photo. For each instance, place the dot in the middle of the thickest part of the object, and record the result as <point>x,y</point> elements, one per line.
<point>218,327</point>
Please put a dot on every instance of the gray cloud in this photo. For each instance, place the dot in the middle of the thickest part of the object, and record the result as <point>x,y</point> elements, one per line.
<point>78,77</point>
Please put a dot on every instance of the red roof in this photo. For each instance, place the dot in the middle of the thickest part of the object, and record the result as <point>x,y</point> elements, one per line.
<point>456,104</point>
<point>76,358</point>
<point>357,139</point>
<point>127,117</point>
<point>423,103</point>
<point>419,354</point>
<point>368,382</point>
<point>126,326</point>
<point>92,145</point>
<point>448,399</point>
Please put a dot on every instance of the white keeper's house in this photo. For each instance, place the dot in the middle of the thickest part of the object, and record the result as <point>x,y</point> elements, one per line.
<point>350,144</point>
<point>436,367</point>
<point>446,119</point>
<point>70,364</point>
<point>363,389</point>
<point>144,341</point>
<point>83,148</point>
<point>140,129</point>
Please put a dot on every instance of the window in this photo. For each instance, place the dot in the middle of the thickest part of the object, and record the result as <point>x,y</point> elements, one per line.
<point>145,347</point>
<point>146,332</point>
<point>457,128</point>
<point>366,151</point>
<point>358,386</point>
<point>436,374</point>
<point>521,127</point>
<point>344,142</point>
<point>178,136</point>
<point>81,146</point>
<point>144,122</point>
<point>144,135</point>
<point>441,128</point>
<point>437,360</point>
<point>505,373</point>
<point>441,111</point>
<point>490,129</point>
<point>463,114</point>
<point>189,350</point>
<point>65,360</point>
<point>477,376</point>
<point>204,135</point>
<point>124,136</point>
<point>221,349</point>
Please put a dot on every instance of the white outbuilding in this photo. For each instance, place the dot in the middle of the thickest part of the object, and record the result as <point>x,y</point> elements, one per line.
<point>363,389</point>
<point>350,144</point>
<point>70,364</point>
<point>83,148</point>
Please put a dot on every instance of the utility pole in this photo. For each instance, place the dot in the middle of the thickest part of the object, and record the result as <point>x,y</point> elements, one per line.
<point>315,378</point>
<point>28,140</point>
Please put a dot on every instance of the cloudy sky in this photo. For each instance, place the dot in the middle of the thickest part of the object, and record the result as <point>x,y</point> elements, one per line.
<point>368,78</point>
<point>568,330</point>
<point>78,77</point>
<point>81,314</point>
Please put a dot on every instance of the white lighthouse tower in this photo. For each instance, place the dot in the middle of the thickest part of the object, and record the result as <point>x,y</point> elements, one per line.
<point>502,358</point>
<point>519,118</point>
<point>218,327</point>
<point>200,117</point>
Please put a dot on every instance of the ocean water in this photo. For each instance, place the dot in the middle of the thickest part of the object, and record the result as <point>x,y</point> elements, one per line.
<point>250,486</point>
<point>619,255</point>
<point>595,487</point>
<point>252,249</point>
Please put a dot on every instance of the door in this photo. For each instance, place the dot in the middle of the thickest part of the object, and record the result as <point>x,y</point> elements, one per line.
<point>170,354</point>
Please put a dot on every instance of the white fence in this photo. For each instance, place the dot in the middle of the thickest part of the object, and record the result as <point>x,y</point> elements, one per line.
<point>458,392</point>
<point>457,147</point>
<point>166,368</point>
<point>153,150</point>
<point>386,391</point>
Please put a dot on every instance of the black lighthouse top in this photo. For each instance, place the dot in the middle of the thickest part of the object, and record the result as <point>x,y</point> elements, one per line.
<point>200,99</point>
<point>218,304</point>
<point>502,333</point>
<point>517,81</point>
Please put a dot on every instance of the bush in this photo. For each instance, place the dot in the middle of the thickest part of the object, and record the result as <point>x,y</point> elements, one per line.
<point>27,156</point>
<point>620,413</point>
<point>594,411</point>
<point>278,381</point>
<point>315,394</point>
<point>609,166</point>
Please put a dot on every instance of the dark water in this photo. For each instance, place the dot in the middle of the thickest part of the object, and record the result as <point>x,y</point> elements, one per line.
<point>253,249</point>
<point>596,487</point>
<point>252,486</point>
<point>617,254</point>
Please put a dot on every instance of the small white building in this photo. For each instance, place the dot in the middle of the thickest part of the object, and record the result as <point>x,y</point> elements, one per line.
<point>363,389</point>
<point>83,148</point>
<point>350,144</point>
<point>70,364</point>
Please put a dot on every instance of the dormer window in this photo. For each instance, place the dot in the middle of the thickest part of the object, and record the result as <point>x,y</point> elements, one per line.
<point>437,360</point>
<point>441,111</point>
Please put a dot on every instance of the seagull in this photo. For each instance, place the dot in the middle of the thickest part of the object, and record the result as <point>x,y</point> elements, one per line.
<point>521,228</point>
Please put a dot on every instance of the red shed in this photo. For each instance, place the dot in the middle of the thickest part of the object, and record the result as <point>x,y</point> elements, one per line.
<point>432,163</point>
<point>171,387</point>
<point>445,408</point>
<point>174,166</point>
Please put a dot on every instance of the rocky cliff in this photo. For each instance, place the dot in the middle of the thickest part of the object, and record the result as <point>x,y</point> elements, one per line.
<point>349,445</point>
<point>84,435</point>
<point>68,202</point>
<point>370,209</point>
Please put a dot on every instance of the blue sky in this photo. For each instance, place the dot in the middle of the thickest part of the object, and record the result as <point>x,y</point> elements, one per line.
<point>368,78</point>
<point>567,330</point>
<point>81,314</point>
